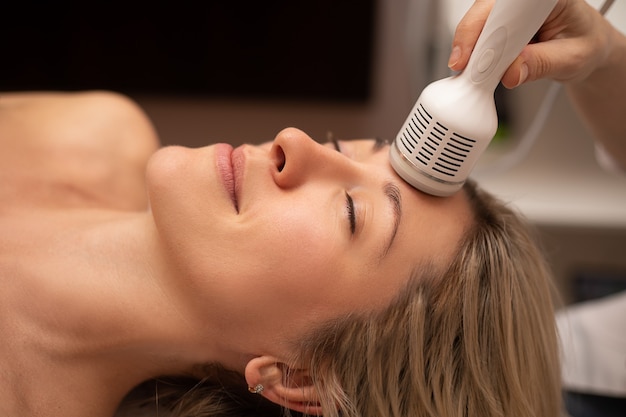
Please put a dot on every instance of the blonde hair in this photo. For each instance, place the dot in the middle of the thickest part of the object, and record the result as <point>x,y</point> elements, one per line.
<point>474,338</point>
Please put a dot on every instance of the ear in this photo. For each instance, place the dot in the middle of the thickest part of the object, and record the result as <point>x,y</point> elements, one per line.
<point>290,388</point>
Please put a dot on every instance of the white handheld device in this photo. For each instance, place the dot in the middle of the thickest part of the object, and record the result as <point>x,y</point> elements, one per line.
<point>455,118</point>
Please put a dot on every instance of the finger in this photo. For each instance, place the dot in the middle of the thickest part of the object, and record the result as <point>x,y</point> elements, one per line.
<point>467,33</point>
<point>558,59</point>
<point>516,74</point>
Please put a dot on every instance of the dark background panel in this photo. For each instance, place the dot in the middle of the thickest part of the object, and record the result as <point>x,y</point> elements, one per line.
<point>276,49</point>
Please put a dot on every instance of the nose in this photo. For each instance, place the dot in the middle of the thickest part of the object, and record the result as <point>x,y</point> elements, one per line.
<point>297,158</point>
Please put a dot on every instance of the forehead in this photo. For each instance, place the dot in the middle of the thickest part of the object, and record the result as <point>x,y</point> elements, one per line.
<point>376,153</point>
<point>430,227</point>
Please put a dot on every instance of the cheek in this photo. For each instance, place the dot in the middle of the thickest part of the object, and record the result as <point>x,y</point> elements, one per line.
<point>283,279</point>
<point>302,248</point>
<point>296,263</point>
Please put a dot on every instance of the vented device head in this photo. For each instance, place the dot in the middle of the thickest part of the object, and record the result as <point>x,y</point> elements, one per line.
<point>455,119</point>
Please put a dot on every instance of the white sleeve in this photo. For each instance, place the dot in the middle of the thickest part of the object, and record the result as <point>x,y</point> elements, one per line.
<point>593,339</point>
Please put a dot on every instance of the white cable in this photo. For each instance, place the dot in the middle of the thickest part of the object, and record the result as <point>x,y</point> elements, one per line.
<point>531,134</point>
<point>606,6</point>
<point>529,137</point>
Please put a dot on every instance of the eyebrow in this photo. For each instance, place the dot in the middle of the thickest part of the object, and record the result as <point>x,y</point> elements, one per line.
<point>392,192</point>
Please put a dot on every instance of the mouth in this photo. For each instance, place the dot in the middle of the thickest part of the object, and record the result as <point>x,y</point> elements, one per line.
<point>227,167</point>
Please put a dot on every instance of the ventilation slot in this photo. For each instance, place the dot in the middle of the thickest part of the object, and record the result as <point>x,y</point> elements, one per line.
<point>413,134</point>
<point>453,154</point>
<point>433,145</point>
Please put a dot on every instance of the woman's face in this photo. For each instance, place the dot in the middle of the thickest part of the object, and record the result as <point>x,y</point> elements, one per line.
<point>273,239</point>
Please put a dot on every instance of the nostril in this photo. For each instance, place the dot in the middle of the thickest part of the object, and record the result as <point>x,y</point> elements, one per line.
<point>279,158</point>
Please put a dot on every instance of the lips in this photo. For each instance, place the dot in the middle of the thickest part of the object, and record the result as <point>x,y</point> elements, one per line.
<point>226,170</point>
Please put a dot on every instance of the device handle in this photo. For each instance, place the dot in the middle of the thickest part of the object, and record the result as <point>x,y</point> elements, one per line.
<point>508,29</point>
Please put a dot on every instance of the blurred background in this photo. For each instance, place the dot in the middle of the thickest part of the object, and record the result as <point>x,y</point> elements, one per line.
<point>225,71</point>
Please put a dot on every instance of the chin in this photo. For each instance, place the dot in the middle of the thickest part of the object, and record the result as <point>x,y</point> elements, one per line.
<point>186,198</point>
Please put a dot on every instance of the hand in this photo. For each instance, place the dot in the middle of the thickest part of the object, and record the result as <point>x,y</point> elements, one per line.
<point>574,41</point>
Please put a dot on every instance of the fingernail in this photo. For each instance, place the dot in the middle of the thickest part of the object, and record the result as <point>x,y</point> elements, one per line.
<point>455,55</point>
<point>523,73</point>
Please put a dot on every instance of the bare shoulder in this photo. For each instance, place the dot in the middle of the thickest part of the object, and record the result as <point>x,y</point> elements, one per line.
<point>93,145</point>
<point>96,119</point>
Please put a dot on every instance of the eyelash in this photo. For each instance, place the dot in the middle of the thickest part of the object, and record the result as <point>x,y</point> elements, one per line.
<point>335,142</point>
<point>349,200</point>
<point>351,213</point>
<point>380,143</point>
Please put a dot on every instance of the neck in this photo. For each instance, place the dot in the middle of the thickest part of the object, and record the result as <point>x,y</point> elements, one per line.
<point>95,302</point>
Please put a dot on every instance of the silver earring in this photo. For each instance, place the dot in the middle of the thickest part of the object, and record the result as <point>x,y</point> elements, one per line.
<point>257,389</point>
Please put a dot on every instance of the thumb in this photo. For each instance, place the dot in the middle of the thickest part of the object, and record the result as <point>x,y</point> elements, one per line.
<point>517,73</point>
<point>556,59</point>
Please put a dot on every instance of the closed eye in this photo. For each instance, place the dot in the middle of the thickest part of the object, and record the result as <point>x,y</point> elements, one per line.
<point>349,201</point>
<point>351,214</point>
